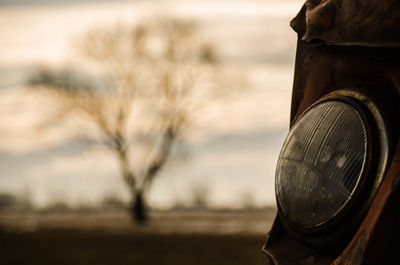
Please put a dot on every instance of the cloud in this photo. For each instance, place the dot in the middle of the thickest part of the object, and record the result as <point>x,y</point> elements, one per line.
<point>14,165</point>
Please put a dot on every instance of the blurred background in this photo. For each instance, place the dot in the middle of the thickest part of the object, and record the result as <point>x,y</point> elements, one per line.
<point>141,131</point>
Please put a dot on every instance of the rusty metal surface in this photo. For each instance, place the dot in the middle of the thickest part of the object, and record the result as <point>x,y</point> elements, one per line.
<point>348,56</point>
<point>349,44</point>
<point>372,23</point>
<point>374,241</point>
<point>283,249</point>
<point>321,70</point>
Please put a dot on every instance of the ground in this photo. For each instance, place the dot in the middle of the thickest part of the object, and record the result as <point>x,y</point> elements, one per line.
<point>168,239</point>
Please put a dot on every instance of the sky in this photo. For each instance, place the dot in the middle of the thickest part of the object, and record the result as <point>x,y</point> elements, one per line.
<point>231,150</point>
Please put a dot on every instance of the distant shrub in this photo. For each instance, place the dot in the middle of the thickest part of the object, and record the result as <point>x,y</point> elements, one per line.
<point>8,201</point>
<point>113,202</point>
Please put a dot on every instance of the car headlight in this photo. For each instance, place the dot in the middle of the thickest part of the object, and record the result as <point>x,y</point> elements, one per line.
<point>323,164</point>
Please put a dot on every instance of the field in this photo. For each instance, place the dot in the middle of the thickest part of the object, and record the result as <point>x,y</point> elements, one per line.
<point>168,239</point>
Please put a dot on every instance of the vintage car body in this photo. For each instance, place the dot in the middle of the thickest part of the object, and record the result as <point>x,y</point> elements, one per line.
<point>350,49</point>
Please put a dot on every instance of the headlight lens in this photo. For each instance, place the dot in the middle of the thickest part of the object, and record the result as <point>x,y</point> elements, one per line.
<point>321,164</point>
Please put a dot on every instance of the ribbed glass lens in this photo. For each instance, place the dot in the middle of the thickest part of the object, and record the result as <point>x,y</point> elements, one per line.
<point>321,163</point>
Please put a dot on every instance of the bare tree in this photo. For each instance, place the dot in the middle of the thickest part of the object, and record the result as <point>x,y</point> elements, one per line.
<point>150,80</point>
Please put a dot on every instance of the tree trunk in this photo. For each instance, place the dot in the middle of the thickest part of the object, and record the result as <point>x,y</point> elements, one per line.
<point>138,208</point>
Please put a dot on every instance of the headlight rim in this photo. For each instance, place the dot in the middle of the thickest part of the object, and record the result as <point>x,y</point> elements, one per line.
<point>373,170</point>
